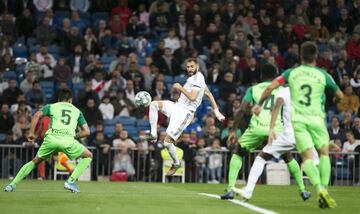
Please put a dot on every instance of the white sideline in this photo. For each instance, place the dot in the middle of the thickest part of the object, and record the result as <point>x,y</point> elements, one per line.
<point>244,204</point>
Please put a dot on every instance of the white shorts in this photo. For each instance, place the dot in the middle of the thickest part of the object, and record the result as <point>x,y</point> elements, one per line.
<point>180,118</point>
<point>285,142</point>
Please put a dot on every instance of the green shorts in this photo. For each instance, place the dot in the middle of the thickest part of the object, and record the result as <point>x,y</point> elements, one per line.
<point>310,134</point>
<point>252,138</point>
<point>59,143</point>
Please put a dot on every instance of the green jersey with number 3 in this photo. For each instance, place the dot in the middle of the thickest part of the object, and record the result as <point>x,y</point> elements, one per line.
<point>263,120</point>
<point>64,118</point>
<point>307,88</point>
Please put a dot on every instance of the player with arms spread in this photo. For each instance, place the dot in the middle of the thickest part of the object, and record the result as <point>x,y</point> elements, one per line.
<point>258,129</point>
<point>60,137</point>
<point>307,88</point>
<point>182,112</point>
<point>277,146</point>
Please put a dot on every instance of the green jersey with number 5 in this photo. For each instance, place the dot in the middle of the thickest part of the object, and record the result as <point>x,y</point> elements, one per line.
<point>307,87</point>
<point>64,118</point>
<point>253,95</point>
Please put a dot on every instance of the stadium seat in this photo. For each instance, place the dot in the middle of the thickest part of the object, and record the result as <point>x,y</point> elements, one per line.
<point>107,59</point>
<point>109,131</point>
<point>85,15</point>
<point>20,50</point>
<point>100,15</point>
<point>54,49</point>
<point>142,124</point>
<point>61,14</point>
<point>34,48</point>
<point>132,130</point>
<point>31,41</point>
<point>8,75</point>
<point>168,79</point>
<point>2,137</point>
<point>110,122</point>
<point>127,121</point>
<point>47,84</point>
<point>78,86</point>
<point>180,79</point>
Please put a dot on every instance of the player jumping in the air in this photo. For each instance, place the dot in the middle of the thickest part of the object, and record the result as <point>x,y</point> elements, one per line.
<point>258,129</point>
<point>277,146</point>
<point>307,88</point>
<point>60,137</point>
<point>182,112</point>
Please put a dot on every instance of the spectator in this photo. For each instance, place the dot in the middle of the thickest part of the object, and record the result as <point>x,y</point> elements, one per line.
<point>251,75</point>
<point>74,38</point>
<point>167,63</point>
<point>45,34</point>
<point>122,10</point>
<point>116,25</point>
<point>14,108</point>
<point>181,26</point>
<point>99,127</point>
<point>77,62</point>
<point>356,128</point>
<point>292,58</point>
<point>35,96</point>
<point>122,159</point>
<point>6,119</point>
<point>25,24</point>
<point>160,91</point>
<point>319,33</point>
<point>350,144</point>
<point>40,57</point>
<point>337,43</point>
<point>91,42</point>
<point>143,15</point>
<point>99,85</point>
<point>21,124</point>
<point>135,27</point>
<point>8,27</point>
<point>349,102</point>
<point>335,131</point>
<point>355,81</point>
<point>172,41</point>
<point>103,150</point>
<point>300,27</point>
<point>62,72</point>
<point>227,85</point>
<point>212,133</point>
<point>7,63</point>
<point>200,161</point>
<point>122,104</point>
<point>215,160</point>
<point>91,113</point>
<point>27,83</point>
<point>353,47</point>
<point>347,120</point>
<point>118,129</point>
<point>10,94</point>
<point>3,83</point>
<point>141,46</point>
<point>214,77</point>
<point>159,20</point>
<point>106,108</point>
<point>225,132</point>
<point>80,5</point>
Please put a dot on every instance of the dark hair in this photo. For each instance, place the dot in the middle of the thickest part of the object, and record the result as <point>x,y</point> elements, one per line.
<point>36,82</point>
<point>309,52</point>
<point>268,71</point>
<point>65,94</point>
<point>191,60</point>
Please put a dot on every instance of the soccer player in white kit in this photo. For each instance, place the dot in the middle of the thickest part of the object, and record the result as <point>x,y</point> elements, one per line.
<point>276,147</point>
<point>181,112</point>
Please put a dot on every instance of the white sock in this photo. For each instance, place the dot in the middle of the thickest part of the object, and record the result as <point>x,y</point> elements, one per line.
<point>153,118</point>
<point>255,172</point>
<point>172,151</point>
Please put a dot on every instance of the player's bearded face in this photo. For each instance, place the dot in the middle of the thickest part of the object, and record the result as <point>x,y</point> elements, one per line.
<point>192,68</point>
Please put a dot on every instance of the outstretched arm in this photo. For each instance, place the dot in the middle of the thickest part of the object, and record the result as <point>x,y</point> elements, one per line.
<point>214,106</point>
<point>34,121</point>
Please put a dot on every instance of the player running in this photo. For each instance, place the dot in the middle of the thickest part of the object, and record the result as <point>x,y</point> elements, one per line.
<point>258,129</point>
<point>61,137</point>
<point>307,86</point>
<point>182,112</point>
<point>276,147</point>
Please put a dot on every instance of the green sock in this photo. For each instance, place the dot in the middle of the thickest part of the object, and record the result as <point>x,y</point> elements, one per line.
<point>24,171</point>
<point>80,168</point>
<point>325,170</point>
<point>235,166</point>
<point>294,169</point>
<point>312,172</point>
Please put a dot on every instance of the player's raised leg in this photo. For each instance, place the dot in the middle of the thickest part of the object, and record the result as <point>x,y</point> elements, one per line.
<point>24,171</point>
<point>165,107</point>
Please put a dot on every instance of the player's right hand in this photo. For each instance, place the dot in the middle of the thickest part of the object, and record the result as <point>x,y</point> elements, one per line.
<point>31,138</point>
<point>272,137</point>
<point>256,109</point>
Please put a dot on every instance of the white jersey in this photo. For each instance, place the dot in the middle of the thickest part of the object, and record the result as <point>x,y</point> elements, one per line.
<point>284,93</point>
<point>195,82</point>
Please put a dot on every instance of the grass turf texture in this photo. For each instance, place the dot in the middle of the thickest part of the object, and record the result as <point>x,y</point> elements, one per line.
<point>108,197</point>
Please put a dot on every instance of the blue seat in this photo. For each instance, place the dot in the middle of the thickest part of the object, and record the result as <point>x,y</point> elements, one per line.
<point>54,49</point>
<point>107,59</point>
<point>34,48</point>
<point>127,121</point>
<point>109,130</point>
<point>2,137</point>
<point>20,50</point>
<point>31,41</point>
<point>180,79</point>
<point>100,15</point>
<point>47,85</point>
<point>168,79</point>
<point>61,14</point>
<point>78,86</point>
<point>110,122</point>
<point>132,130</point>
<point>85,15</point>
<point>8,75</point>
<point>142,124</point>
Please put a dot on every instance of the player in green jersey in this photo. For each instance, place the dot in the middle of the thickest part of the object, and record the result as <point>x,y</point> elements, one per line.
<point>307,89</point>
<point>258,129</point>
<point>60,137</point>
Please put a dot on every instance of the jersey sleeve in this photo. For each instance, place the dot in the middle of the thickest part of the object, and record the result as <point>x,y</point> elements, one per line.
<point>46,110</point>
<point>330,83</point>
<point>248,95</point>
<point>81,119</point>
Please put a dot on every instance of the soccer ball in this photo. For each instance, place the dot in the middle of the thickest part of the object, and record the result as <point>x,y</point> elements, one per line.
<point>142,98</point>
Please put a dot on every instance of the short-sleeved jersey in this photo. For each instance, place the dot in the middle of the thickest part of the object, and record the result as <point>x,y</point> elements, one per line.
<point>64,118</point>
<point>307,88</point>
<point>195,82</point>
<point>253,95</point>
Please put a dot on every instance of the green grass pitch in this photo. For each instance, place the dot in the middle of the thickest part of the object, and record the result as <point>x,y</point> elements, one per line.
<point>133,197</point>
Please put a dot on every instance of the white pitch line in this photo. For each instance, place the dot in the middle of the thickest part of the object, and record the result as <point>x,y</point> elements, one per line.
<point>244,204</point>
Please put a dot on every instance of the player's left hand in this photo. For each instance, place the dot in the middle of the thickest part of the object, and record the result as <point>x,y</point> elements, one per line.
<point>218,115</point>
<point>31,138</point>
<point>256,109</point>
<point>177,86</point>
<point>272,137</point>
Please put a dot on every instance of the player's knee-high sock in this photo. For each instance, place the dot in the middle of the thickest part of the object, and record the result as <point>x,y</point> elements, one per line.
<point>255,172</point>
<point>153,118</point>
<point>295,170</point>
<point>325,170</point>
<point>24,171</point>
<point>312,172</point>
<point>41,169</point>
<point>172,151</point>
<point>80,168</point>
<point>235,166</point>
